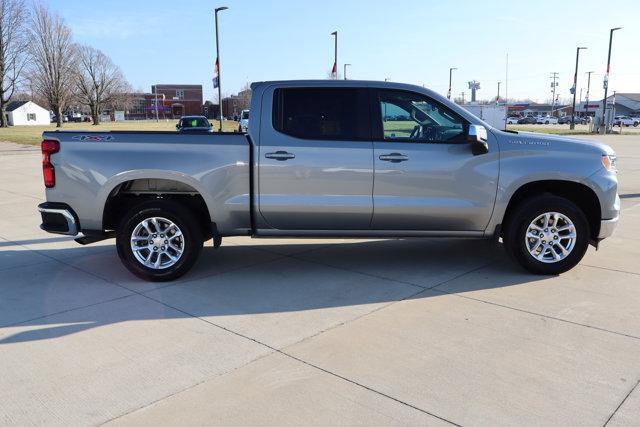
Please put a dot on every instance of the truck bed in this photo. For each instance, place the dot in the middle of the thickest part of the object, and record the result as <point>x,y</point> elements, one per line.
<point>91,166</point>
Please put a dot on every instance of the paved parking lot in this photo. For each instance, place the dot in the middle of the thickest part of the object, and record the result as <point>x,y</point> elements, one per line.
<point>297,332</point>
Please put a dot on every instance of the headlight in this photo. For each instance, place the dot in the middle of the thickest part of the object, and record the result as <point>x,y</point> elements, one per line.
<point>609,162</point>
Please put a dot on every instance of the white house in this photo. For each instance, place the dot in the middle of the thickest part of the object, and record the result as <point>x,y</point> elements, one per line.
<point>20,113</point>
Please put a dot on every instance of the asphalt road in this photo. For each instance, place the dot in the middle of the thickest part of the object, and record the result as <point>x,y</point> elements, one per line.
<point>315,332</point>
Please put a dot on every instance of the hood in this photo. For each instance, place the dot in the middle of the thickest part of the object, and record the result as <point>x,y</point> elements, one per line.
<point>565,141</point>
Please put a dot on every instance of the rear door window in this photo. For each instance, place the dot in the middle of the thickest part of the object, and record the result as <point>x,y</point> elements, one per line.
<point>322,113</point>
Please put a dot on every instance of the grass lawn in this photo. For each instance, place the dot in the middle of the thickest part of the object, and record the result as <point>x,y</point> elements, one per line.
<point>32,135</point>
<point>564,129</point>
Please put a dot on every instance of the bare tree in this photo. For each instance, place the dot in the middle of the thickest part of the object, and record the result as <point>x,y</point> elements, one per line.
<point>244,97</point>
<point>99,82</point>
<point>13,38</point>
<point>52,59</point>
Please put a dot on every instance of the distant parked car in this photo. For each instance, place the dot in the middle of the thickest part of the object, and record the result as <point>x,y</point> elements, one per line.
<point>512,120</point>
<point>193,123</point>
<point>74,117</point>
<point>546,120</point>
<point>244,121</point>
<point>567,119</point>
<point>529,120</point>
<point>624,120</point>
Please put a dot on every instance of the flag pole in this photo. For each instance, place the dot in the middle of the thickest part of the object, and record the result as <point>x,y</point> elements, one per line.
<point>219,9</point>
<point>335,55</point>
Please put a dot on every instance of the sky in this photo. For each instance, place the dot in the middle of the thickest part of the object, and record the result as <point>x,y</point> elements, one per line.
<point>411,41</point>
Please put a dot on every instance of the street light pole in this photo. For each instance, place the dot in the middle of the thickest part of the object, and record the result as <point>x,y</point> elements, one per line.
<point>335,53</point>
<point>586,101</point>
<point>450,73</point>
<point>219,9</point>
<point>603,127</point>
<point>345,70</point>
<point>575,87</point>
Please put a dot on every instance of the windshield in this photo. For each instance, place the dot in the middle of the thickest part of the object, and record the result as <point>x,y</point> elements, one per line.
<point>194,122</point>
<point>245,115</point>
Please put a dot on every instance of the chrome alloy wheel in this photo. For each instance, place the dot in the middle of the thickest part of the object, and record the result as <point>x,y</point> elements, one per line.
<point>550,237</point>
<point>157,243</point>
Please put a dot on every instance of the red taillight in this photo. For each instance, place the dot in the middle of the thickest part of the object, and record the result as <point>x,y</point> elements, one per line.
<point>49,147</point>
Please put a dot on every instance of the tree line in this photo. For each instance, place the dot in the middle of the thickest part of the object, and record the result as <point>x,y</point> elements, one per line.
<point>37,53</point>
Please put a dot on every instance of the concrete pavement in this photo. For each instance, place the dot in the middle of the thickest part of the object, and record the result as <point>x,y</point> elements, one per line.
<point>408,331</point>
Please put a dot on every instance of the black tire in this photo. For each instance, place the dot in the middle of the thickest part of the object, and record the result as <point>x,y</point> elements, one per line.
<point>183,218</point>
<point>526,212</point>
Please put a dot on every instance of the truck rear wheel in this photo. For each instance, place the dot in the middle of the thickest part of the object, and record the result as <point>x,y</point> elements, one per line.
<point>159,240</point>
<point>547,235</point>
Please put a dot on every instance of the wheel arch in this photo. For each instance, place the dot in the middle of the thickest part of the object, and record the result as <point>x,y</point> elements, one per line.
<point>580,194</point>
<point>125,191</point>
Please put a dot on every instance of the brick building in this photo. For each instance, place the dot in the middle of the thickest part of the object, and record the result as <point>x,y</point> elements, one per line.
<point>181,100</point>
<point>141,106</point>
<point>234,104</point>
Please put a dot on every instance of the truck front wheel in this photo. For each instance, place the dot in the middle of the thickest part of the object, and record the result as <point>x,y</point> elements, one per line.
<point>159,240</point>
<point>547,235</point>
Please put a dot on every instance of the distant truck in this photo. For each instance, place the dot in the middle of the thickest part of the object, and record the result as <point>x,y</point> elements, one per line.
<point>625,121</point>
<point>244,121</point>
<point>495,115</point>
<point>321,159</point>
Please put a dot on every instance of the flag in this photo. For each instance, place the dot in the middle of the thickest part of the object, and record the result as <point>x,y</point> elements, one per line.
<point>216,73</point>
<point>334,71</point>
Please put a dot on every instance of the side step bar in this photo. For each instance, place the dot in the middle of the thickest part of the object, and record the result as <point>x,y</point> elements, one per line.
<point>94,236</point>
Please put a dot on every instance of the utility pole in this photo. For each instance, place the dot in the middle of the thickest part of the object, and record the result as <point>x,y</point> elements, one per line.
<point>345,70</point>
<point>155,90</point>
<point>586,101</point>
<point>450,73</point>
<point>335,55</point>
<point>506,90</point>
<point>219,9</point>
<point>498,96</point>
<point>575,86</point>
<point>554,84</point>
<point>603,128</point>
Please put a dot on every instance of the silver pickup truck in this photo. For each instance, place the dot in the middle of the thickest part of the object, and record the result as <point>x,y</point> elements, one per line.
<point>331,158</point>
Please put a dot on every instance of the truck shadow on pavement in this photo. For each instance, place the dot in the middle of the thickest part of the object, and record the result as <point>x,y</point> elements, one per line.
<point>261,283</point>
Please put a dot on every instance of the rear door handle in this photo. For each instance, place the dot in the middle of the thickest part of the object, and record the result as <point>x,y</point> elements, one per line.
<point>280,155</point>
<point>393,157</point>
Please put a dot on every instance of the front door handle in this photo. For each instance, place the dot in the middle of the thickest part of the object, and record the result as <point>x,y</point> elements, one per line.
<point>393,157</point>
<point>280,155</point>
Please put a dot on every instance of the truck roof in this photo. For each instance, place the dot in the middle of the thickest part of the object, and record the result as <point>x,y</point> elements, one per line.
<point>334,83</point>
<point>258,87</point>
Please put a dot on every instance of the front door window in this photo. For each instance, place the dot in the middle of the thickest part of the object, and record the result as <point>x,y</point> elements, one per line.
<point>411,117</point>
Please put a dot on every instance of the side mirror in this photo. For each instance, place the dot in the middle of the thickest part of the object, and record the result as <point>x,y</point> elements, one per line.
<point>477,137</point>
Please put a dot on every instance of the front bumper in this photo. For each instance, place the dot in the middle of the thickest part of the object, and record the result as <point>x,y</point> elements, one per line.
<point>58,218</point>
<point>607,226</point>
